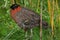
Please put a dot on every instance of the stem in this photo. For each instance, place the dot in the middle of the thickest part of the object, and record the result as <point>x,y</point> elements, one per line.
<point>31,34</point>
<point>41,22</point>
<point>13,1</point>
<point>52,19</point>
<point>26,36</point>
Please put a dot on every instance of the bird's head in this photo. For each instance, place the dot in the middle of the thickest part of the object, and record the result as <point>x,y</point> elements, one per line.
<point>14,6</point>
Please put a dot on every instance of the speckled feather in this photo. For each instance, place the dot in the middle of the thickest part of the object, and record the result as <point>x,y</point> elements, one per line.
<point>26,18</point>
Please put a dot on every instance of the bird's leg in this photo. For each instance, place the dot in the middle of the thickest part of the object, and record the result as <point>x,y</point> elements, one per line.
<point>26,35</point>
<point>31,34</point>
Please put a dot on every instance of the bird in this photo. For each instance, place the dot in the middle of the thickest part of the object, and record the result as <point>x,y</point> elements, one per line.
<point>26,18</point>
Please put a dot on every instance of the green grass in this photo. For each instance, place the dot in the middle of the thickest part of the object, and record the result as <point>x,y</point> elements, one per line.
<point>9,30</point>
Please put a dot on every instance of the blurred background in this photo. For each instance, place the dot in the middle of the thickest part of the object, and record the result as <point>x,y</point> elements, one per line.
<point>9,30</point>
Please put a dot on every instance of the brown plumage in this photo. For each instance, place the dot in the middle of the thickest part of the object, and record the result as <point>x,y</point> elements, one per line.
<point>25,18</point>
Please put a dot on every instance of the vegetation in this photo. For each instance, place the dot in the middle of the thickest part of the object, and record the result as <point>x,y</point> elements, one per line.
<point>9,30</point>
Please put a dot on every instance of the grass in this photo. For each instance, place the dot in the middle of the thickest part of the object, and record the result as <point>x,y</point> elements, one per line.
<point>9,30</point>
